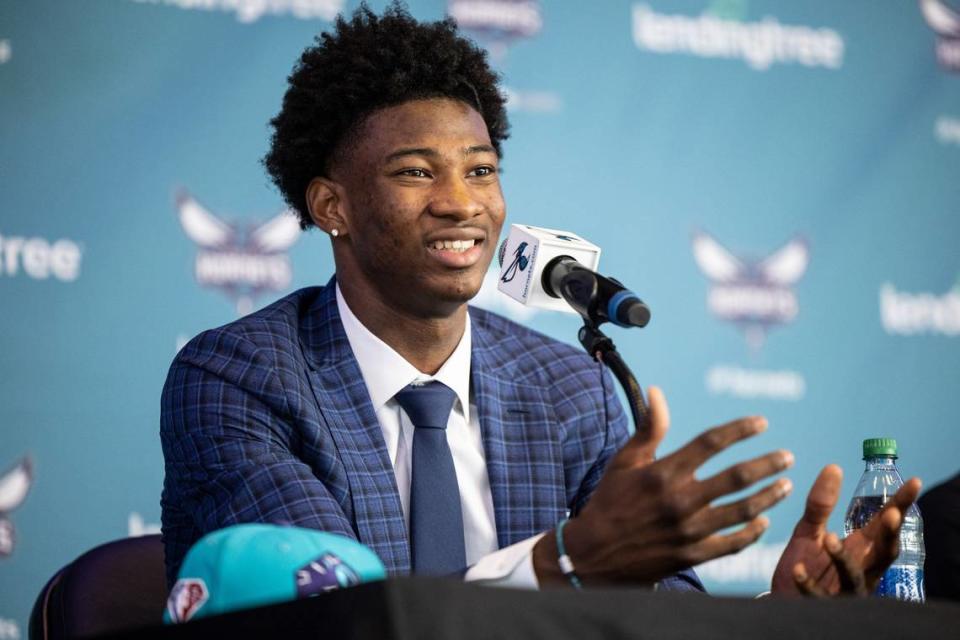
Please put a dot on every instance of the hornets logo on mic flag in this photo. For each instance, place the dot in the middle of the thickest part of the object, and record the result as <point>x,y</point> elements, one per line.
<point>525,253</point>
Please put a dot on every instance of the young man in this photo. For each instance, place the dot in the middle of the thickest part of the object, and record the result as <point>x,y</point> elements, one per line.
<point>447,439</point>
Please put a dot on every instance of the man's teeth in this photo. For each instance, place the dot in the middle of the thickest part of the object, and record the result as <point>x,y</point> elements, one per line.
<point>452,245</point>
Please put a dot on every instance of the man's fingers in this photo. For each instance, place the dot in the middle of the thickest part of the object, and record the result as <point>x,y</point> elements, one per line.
<point>643,445</point>
<point>713,441</point>
<point>744,474</point>
<point>849,569</point>
<point>907,494</point>
<point>900,502</point>
<point>719,545</point>
<point>806,584</point>
<point>659,418</point>
<point>713,519</point>
<point>821,500</point>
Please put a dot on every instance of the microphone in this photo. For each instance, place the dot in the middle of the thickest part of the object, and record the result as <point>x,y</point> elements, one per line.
<point>551,269</point>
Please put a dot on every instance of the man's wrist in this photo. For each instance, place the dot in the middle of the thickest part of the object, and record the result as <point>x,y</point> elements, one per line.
<point>567,568</point>
<point>545,565</point>
<point>546,555</point>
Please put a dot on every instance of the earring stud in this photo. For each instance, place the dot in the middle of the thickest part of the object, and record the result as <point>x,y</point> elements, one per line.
<point>334,232</point>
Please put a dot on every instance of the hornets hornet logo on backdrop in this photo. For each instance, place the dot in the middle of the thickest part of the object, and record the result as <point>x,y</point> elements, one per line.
<point>754,295</point>
<point>945,22</point>
<point>14,486</point>
<point>243,260</point>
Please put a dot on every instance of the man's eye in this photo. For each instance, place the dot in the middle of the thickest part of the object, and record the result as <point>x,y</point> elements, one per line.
<point>483,171</point>
<point>414,173</point>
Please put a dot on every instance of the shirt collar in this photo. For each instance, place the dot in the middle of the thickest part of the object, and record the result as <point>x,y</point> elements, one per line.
<point>386,372</point>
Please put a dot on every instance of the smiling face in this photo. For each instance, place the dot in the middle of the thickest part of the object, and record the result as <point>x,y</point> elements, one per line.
<point>418,191</point>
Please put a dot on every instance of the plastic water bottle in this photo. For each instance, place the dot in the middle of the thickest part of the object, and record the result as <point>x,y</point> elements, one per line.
<point>880,480</point>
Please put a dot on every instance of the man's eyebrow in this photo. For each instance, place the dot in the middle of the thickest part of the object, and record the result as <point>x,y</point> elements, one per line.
<point>433,153</point>
<point>480,148</point>
<point>412,151</point>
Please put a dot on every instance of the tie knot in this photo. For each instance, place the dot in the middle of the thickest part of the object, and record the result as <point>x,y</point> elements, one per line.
<point>428,405</point>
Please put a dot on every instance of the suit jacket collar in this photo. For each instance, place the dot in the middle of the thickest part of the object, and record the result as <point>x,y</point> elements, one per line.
<point>386,372</point>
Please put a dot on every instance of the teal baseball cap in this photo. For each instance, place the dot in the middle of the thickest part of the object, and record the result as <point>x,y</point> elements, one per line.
<point>250,565</point>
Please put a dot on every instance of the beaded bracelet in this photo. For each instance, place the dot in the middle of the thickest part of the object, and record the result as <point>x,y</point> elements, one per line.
<point>566,564</point>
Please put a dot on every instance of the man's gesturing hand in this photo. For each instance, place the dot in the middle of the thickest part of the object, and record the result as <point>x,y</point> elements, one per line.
<point>817,563</point>
<point>649,518</point>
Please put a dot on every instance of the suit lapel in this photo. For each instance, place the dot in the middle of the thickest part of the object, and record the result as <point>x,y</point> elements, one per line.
<point>521,440</point>
<point>344,403</point>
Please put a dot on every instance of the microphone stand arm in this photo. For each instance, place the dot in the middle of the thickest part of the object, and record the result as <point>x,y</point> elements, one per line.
<point>601,348</point>
<point>581,289</point>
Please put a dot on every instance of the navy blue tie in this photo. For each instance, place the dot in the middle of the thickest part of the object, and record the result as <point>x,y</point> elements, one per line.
<point>436,521</point>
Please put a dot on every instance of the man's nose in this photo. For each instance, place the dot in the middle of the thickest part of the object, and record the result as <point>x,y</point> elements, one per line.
<point>455,198</point>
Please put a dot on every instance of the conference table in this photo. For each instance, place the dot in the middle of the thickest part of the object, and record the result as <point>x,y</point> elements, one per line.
<point>407,608</point>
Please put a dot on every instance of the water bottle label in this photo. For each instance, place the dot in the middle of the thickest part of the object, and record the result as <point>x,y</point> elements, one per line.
<point>903,583</point>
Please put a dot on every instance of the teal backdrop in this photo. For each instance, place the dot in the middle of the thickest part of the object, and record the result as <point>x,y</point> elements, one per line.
<point>777,179</point>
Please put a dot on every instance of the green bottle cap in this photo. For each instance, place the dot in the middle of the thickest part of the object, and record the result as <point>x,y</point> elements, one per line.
<point>874,447</point>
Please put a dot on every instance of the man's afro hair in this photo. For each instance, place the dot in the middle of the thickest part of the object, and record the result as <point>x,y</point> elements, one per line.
<point>370,62</point>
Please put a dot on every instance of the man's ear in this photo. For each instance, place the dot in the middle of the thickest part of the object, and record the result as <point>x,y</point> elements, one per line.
<point>323,200</point>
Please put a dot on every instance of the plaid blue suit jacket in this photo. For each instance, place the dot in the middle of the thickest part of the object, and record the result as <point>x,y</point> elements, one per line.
<point>267,419</point>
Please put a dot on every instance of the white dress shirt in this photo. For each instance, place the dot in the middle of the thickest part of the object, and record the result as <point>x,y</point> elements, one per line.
<point>386,372</point>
